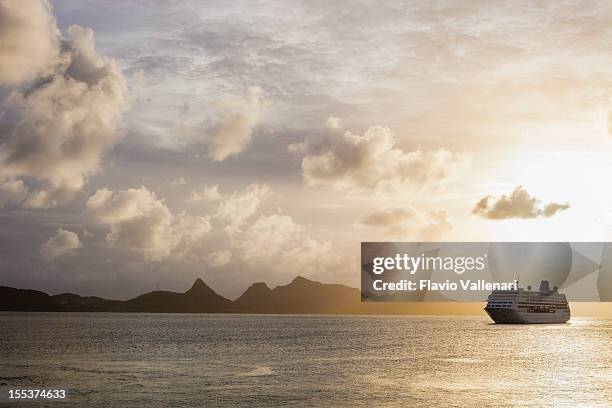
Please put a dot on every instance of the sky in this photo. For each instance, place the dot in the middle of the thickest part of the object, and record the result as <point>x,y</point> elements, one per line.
<point>144,144</point>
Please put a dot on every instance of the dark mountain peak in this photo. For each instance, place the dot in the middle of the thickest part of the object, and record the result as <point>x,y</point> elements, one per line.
<point>257,292</point>
<point>300,280</point>
<point>302,295</point>
<point>201,292</point>
<point>200,298</point>
<point>199,286</point>
<point>259,286</point>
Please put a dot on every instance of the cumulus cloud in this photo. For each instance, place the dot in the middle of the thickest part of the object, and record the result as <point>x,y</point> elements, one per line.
<point>237,208</point>
<point>407,222</point>
<point>519,204</point>
<point>373,160</point>
<point>271,245</point>
<point>553,208</point>
<point>62,243</point>
<point>228,125</point>
<point>189,230</point>
<point>29,40</point>
<point>12,192</point>
<point>219,258</point>
<point>208,194</point>
<point>69,118</point>
<point>141,222</point>
<point>277,244</point>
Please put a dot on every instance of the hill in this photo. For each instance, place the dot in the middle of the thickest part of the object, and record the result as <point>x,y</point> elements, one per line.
<point>199,299</point>
<point>300,296</point>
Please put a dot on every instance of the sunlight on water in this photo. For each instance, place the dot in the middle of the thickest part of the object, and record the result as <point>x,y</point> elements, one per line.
<point>259,371</point>
<point>217,360</point>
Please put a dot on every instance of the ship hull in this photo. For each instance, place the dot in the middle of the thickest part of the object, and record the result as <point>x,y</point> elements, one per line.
<point>512,316</point>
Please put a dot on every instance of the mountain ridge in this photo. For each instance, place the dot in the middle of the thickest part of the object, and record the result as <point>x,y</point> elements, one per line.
<point>300,296</point>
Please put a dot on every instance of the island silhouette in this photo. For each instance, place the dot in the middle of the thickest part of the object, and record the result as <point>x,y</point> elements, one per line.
<point>300,296</point>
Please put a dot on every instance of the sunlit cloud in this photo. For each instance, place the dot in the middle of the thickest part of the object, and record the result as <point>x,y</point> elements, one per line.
<point>62,243</point>
<point>373,160</point>
<point>225,128</point>
<point>30,41</point>
<point>219,258</point>
<point>12,192</point>
<point>141,222</point>
<point>277,244</point>
<point>236,208</point>
<point>208,194</point>
<point>66,119</point>
<point>407,223</point>
<point>519,204</point>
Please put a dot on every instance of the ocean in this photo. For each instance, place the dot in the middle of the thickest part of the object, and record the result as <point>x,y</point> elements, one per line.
<point>151,360</point>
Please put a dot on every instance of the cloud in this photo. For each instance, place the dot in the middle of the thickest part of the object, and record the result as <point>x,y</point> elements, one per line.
<point>12,192</point>
<point>219,258</point>
<point>333,122</point>
<point>208,194</point>
<point>141,222</point>
<point>179,181</point>
<point>436,228</point>
<point>407,222</point>
<point>271,245</point>
<point>519,204</point>
<point>29,40</point>
<point>237,208</point>
<point>62,243</point>
<point>68,119</point>
<point>228,126</point>
<point>553,208</point>
<point>189,232</point>
<point>387,217</point>
<point>374,161</point>
<point>277,244</point>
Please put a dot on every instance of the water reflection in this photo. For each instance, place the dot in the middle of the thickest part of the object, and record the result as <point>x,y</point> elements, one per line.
<point>144,360</point>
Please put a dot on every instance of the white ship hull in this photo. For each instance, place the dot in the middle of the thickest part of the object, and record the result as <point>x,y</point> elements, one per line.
<point>512,316</point>
<point>521,306</point>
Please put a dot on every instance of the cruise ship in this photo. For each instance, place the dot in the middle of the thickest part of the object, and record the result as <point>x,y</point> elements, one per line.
<point>526,306</point>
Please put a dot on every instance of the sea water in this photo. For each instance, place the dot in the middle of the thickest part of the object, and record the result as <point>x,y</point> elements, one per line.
<point>149,360</point>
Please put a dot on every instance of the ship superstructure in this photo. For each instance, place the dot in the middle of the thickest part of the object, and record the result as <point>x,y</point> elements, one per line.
<point>526,306</point>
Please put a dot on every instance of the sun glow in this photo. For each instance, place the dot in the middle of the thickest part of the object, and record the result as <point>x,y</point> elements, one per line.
<point>577,177</point>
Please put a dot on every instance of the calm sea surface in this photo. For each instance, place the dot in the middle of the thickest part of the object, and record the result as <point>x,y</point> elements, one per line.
<point>148,360</point>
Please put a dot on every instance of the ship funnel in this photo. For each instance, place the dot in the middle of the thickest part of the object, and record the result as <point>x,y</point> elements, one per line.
<point>544,286</point>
